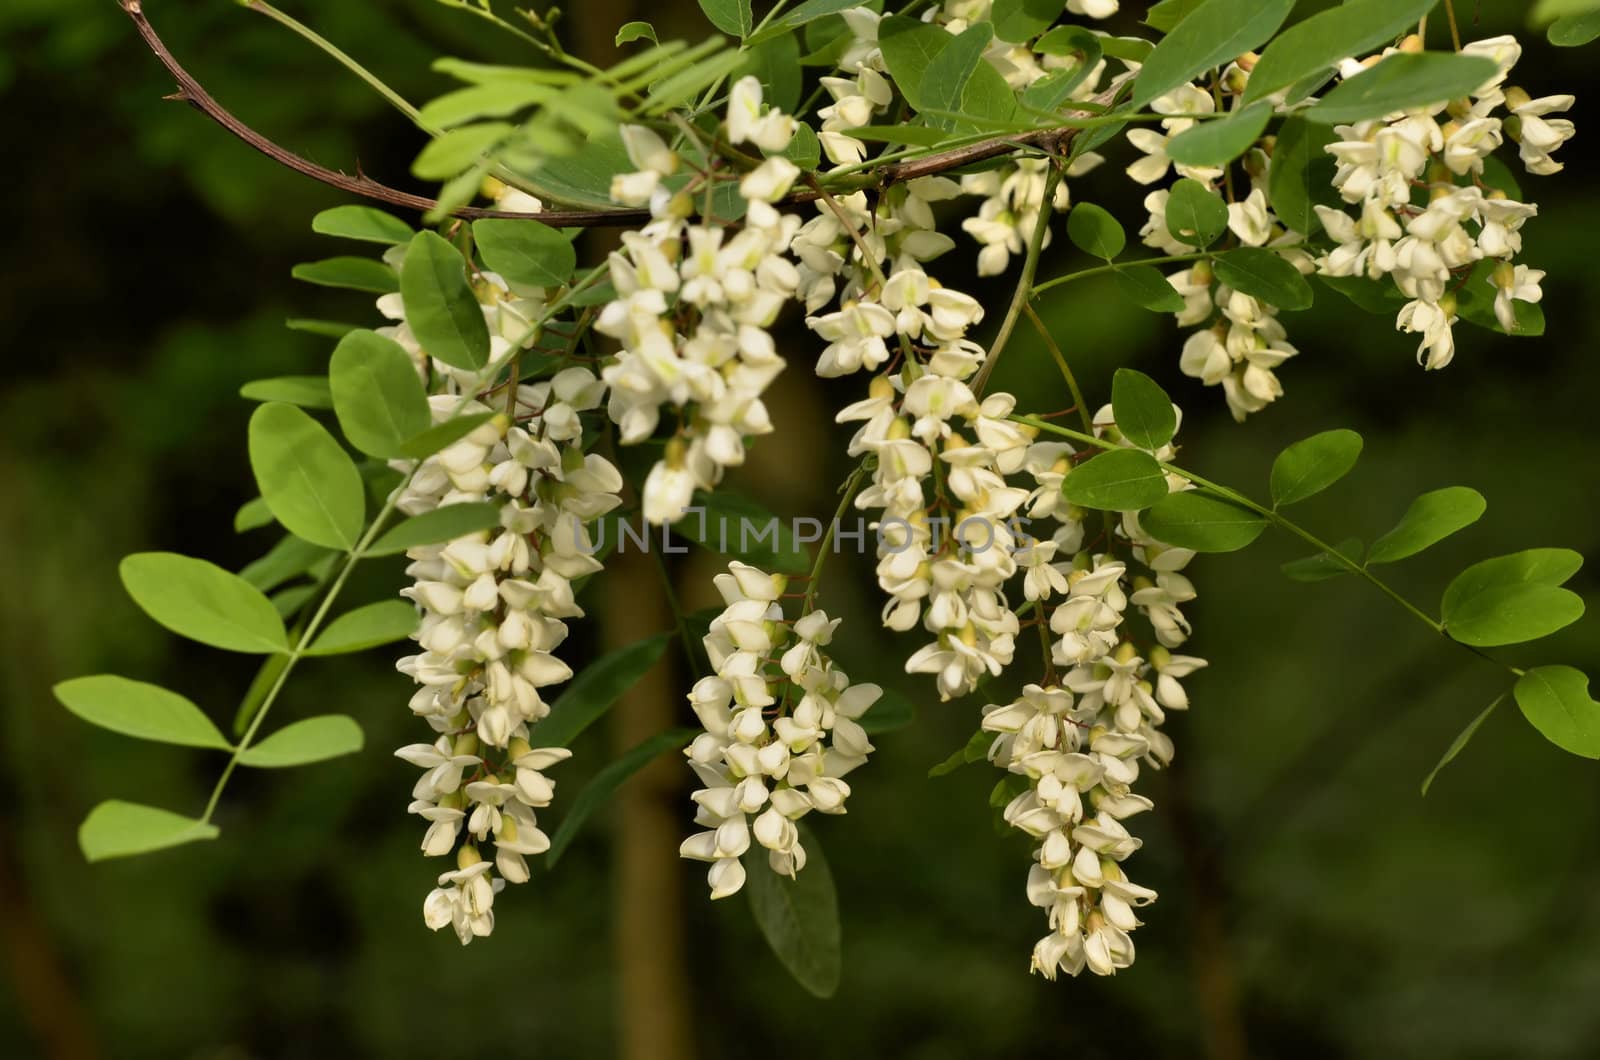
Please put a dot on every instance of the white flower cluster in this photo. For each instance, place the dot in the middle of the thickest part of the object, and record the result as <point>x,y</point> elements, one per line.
<point>1075,744</point>
<point>694,304</point>
<point>781,725</point>
<point>1430,251</point>
<point>1423,212</point>
<point>492,608</point>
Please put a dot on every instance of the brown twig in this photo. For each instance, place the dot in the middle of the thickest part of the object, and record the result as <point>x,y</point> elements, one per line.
<point>190,91</point>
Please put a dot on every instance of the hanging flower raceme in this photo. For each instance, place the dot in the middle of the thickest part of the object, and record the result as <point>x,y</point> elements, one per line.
<point>493,606</point>
<point>782,729</point>
<point>694,303</point>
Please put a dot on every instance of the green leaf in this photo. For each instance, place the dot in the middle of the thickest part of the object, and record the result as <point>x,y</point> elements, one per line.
<point>1512,614</point>
<point>1260,273</point>
<point>363,223</point>
<point>377,394</point>
<point>1400,82</point>
<point>976,749</point>
<point>1322,566</point>
<point>117,829</point>
<point>804,150</point>
<point>312,740</point>
<point>809,11</point>
<point>307,391</point>
<point>498,99</point>
<point>1196,215</point>
<point>1301,174</point>
<point>289,601</point>
<point>1202,522</point>
<point>138,709</point>
<point>1555,699</point>
<point>1320,42</point>
<point>1055,88</point>
<point>366,627</point>
<point>1093,230</point>
<point>677,89</point>
<point>1142,410</point>
<point>1534,566</point>
<point>203,602</point>
<point>1145,286</point>
<point>957,79</point>
<point>909,47</point>
<point>1573,31</point>
<point>891,711</point>
<point>593,691</point>
<point>632,31</point>
<point>1545,10</point>
<point>1312,464</point>
<point>1169,13</point>
<point>1220,140</point>
<point>798,917</point>
<point>734,525</point>
<point>1431,518</point>
<point>441,524</point>
<point>1122,480</point>
<point>1382,299</point>
<point>306,478</point>
<point>525,252</point>
<point>252,515</point>
<point>776,64</point>
<point>440,307</point>
<point>607,781</point>
<point>1018,21</point>
<point>457,150</point>
<point>435,438</point>
<point>357,274</point>
<point>289,558</point>
<point>328,329</point>
<point>730,16</point>
<point>1459,743</point>
<point>1214,33</point>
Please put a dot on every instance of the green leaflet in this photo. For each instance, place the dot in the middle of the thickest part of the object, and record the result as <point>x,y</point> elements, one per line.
<point>1202,522</point>
<point>1143,411</point>
<point>1431,518</point>
<point>203,602</point>
<point>366,627</point>
<point>117,829</point>
<point>308,481</point>
<point>798,917</point>
<point>440,306</point>
<point>607,781</point>
<point>1312,464</point>
<point>1214,33</point>
<point>1400,82</point>
<point>377,394</point>
<point>140,710</point>
<point>1093,230</point>
<point>312,740</point>
<point>1122,480</point>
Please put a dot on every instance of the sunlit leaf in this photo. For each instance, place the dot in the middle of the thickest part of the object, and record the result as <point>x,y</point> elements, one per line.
<point>441,524</point>
<point>1431,518</point>
<point>312,740</point>
<point>117,829</point>
<point>306,478</point>
<point>1142,410</point>
<point>440,307</point>
<point>1202,522</point>
<point>203,602</point>
<point>377,394</point>
<point>1312,464</point>
<point>363,223</point>
<point>139,709</point>
<point>1555,699</point>
<point>366,627</point>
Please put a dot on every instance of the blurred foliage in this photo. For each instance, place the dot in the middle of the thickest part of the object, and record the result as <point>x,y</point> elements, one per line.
<point>1311,900</point>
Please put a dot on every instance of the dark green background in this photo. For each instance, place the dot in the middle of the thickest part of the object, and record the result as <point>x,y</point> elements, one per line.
<point>1312,904</point>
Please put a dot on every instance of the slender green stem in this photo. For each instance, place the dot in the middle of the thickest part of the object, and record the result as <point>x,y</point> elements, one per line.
<point>684,636</point>
<point>334,52</point>
<point>356,554</point>
<point>1279,520</point>
<point>847,494</point>
<point>1098,270</point>
<point>1030,267</point>
<point>1066,369</point>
